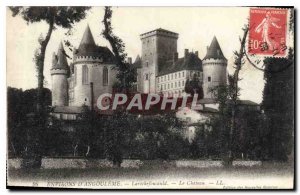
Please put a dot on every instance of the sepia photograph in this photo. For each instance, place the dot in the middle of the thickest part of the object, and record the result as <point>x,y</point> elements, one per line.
<point>108,97</point>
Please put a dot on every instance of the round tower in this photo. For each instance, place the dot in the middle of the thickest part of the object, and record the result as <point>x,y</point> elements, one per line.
<point>214,68</point>
<point>92,73</point>
<point>59,74</point>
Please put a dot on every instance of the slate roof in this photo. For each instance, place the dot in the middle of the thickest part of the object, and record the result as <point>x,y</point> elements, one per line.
<point>214,50</point>
<point>191,62</point>
<point>60,60</point>
<point>138,62</point>
<point>88,47</point>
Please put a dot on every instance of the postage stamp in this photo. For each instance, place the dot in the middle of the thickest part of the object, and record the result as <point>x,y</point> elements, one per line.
<point>268,32</point>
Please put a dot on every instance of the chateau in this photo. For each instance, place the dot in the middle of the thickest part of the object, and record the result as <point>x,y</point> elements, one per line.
<point>159,68</point>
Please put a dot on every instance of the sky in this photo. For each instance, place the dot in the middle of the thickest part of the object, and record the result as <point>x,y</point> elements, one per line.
<point>196,27</point>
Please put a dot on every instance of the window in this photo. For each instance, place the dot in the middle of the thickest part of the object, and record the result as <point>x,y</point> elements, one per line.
<point>175,84</point>
<point>75,75</point>
<point>182,83</point>
<point>171,85</point>
<point>171,76</point>
<point>105,76</point>
<point>168,86</point>
<point>183,74</point>
<point>146,77</point>
<point>158,79</point>
<point>168,77</point>
<point>178,83</point>
<point>147,64</point>
<point>175,75</point>
<point>209,79</point>
<point>178,75</point>
<point>85,75</point>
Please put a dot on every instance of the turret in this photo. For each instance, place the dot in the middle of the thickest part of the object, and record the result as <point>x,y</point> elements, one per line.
<point>59,73</point>
<point>93,74</point>
<point>214,68</point>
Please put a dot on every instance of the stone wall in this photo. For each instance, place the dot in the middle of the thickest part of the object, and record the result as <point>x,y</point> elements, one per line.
<point>79,163</point>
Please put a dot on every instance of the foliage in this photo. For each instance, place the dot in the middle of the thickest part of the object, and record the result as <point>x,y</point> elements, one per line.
<point>194,86</point>
<point>278,105</point>
<point>20,108</point>
<point>55,17</point>
<point>126,72</point>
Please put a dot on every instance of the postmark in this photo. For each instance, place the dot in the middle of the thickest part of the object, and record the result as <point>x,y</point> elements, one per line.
<point>268,32</point>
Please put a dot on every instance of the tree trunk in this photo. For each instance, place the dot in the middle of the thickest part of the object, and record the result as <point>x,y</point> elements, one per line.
<point>238,63</point>
<point>34,156</point>
<point>40,67</point>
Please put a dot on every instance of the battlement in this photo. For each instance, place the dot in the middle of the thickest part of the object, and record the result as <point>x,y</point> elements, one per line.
<point>159,32</point>
<point>88,59</point>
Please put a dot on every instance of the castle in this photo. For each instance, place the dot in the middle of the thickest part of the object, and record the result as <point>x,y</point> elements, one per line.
<point>159,70</point>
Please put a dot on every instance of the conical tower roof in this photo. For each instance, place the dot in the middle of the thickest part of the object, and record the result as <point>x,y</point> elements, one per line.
<point>61,60</point>
<point>138,62</point>
<point>87,38</point>
<point>87,45</point>
<point>214,50</point>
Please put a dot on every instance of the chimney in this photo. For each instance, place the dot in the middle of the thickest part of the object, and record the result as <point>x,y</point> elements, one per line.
<point>129,60</point>
<point>196,53</point>
<point>175,57</point>
<point>186,52</point>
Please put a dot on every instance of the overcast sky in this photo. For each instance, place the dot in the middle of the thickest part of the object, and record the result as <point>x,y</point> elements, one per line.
<point>196,27</point>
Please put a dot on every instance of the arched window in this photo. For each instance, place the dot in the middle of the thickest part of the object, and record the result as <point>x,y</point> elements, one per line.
<point>75,75</point>
<point>85,75</point>
<point>105,76</point>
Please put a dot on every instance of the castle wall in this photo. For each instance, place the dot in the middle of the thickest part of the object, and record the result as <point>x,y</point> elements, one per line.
<point>215,70</point>
<point>157,47</point>
<point>82,92</point>
<point>173,84</point>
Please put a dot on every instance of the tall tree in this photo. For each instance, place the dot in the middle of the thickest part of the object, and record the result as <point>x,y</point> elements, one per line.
<point>126,76</point>
<point>227,96</point>
<point>54,17</point>
<point>234,89</point>
<point>278,105</point>
<point>126,72</point>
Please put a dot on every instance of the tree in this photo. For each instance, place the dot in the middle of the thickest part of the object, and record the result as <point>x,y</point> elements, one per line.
<point>278,105</point>
<point>194,86</point>
<point>126,72</point>
<point>126,75</point>
<point>55,17</point>
<point>227,97</point>
<point>234,89</point>
<point>20,104</point>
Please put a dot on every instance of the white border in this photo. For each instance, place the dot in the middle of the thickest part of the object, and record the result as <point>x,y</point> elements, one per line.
<point>5,3</point>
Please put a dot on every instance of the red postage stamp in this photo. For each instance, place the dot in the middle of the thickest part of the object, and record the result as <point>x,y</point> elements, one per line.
<point>268,32</point>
